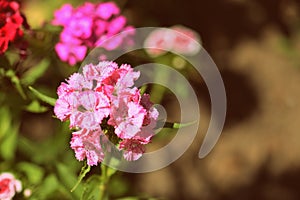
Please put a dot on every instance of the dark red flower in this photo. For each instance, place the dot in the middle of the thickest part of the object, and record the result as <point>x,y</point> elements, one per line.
<point>10,23</point>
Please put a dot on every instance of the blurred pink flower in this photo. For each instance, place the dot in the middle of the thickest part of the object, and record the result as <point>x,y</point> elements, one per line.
<point>186,41</point>
<point>63,15</point>
<point>9,186</point>
<point>103,102</point>
<point>88,25</point>
<point>107,10</point>
<point>177,39</point>
<point>159,42</point>
<point>70,53</point>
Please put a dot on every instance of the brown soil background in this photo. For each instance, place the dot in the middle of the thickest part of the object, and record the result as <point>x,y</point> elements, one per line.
<point>256,45</point>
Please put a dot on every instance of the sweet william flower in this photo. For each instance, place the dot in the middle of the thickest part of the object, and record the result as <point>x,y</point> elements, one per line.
<point>86,145</point>
<point>107,10</point>
<point>106,109</point>
<point>177,39</point>
<point>9,186</point>
<point>10,23</point>
<point>133,149</point>
<point>63,15</point>
<point>88,26</point>
<point>185,41</point>
<point>127,118</point>
<point>159,42</point>
<point>70,53</point>
<point>93,108</point>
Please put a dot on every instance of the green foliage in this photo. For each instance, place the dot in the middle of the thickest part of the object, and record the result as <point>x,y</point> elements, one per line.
<point>84,170</point>
<point>8,134</point>
<point>49,100</point>
<point>16,82</point>
<point>8,145</point>
<point>92,189</point>
<point>47,188</point>
<point>44,161</point>
<point>35,107</point>
<point>35,72</point>
<point>34,173</point>
<point>68,179</point>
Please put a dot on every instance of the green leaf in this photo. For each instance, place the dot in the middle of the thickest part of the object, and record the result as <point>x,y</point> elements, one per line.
<point>175,125</point>
<point>107,170</point>
<point>137,198</point>
<point>26,146</point>
<point>143,89</point>
<point>16,82</point>
<point>35,72</point>
<point>129,198</point>
<point>118,186</point>
<point>51,101</point>
<point>68,178</point>
<point>48,187</point>
<point>84,170</point>
<point>12,57</point>
<point>9,143</point>
<point>5,121</point>
<point>92,190</point>
<point>36,107</point>
<point>33,172</point>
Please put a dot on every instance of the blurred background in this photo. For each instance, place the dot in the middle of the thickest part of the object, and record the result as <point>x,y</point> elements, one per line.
<point>256,46</point>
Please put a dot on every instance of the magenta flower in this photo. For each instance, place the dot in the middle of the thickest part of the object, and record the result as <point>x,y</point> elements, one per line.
<point>102,103</point>
<point>9,186</point>
<point>107,10</point>
<point>70,53</point>
<point>63,15</point>
<point>88,25</point>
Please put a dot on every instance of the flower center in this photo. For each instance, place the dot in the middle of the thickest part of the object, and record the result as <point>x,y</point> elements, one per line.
<point>4,185</point>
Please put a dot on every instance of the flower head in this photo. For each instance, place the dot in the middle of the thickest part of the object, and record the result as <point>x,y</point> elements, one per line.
<point>105,107</point>
<point>86,144</point>
<point>9,186</point>
<point>177,39</point>
<point>88,25</point>
<point>10,23</point>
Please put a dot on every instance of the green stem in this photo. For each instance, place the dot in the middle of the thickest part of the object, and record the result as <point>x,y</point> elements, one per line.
<point>158,91</point>
<point>49,100</point>
<point>104,181</point>
<point>16,81</point>
<point>106,174</point>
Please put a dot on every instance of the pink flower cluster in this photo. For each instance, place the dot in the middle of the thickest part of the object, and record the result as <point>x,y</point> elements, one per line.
<point>103,106</point>
<point>88,25</point>
<point>177,39</point>
<point>9,186</point>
